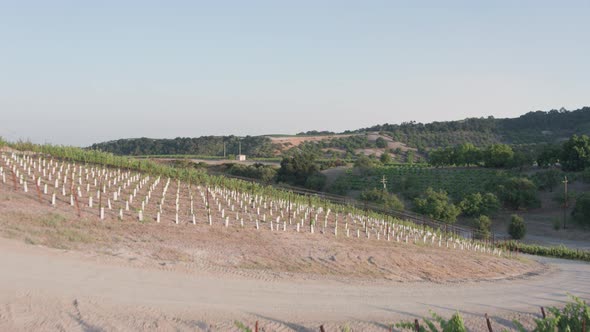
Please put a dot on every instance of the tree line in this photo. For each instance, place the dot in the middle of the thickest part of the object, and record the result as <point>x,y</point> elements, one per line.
<point>255,146</point>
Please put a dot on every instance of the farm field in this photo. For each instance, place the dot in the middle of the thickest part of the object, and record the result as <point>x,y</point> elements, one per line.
<point>457,181</point>
<point>290,263</point>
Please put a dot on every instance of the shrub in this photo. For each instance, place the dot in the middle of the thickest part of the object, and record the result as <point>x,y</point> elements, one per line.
<point>556,224</point>
<point>581,212</point>
<point>517,227</point>
<point>483,226</point>
<point>455,324</point>
<point>388,200</point>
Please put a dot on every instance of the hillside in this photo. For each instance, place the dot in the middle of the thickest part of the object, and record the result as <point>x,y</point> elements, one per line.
<point>531,128</point>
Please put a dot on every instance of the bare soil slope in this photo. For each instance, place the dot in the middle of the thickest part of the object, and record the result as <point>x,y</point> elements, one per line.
<point>61,272</point>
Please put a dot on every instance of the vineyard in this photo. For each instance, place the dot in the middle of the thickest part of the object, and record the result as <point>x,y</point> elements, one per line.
<point>412,180</point>
<point>117,189</point>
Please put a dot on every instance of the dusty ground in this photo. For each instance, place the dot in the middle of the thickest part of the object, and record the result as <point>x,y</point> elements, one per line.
<point>293,141</point>
<point>64,273</point>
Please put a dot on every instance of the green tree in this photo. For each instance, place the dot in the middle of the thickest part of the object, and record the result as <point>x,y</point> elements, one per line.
<point>483,226</point>
<point>381,197</point>
<point>548,156</point>
<point>518,193</point>
<point>467,154</point>
<point>517,227</point>
<point>437,205</point>
<point>410,156</point>
<point>316,181</point>
<point>581,212</point>
<point>477,204</point>
<point>297,169</point>
<point>381,143</point>
<point>521,159</point>
<point>498,155</point>
<point>363,162</point>
<point>547,180</point>
<point>575,155</point>
<point>385,158</point>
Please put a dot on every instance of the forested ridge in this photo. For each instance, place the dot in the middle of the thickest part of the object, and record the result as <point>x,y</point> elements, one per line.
<point>259,146</point>
<point>531,128</point>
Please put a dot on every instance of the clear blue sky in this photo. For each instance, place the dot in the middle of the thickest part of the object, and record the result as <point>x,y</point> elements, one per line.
<point>79,72</point>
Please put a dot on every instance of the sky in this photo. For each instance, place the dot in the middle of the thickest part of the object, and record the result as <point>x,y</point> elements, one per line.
<point>82,72</point>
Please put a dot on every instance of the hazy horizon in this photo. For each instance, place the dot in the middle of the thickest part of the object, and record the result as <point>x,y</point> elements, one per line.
<point>81,73</point>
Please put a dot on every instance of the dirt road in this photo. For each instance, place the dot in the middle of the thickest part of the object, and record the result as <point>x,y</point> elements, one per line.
<point>50,289</point>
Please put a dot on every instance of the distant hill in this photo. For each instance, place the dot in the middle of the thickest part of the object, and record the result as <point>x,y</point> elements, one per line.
<point>531,128</point>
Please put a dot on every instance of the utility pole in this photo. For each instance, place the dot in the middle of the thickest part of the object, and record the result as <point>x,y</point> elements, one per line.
<point>239,147</point>
<point>564,200</point>
<point>384,181</point>
<point>223,150</point>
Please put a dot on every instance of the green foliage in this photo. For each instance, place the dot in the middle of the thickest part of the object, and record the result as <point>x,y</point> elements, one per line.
<point>477,204</point>
<point>437,205</point>
<point>521,159</point>
<point>242,327</point>
<point>483,226</point>
<point>465,154</point>
<point>385,158</point>
<point>2,142</point>
<point>345,328</point>
<point>410,156</point>
<point>585,175</point>
<point>549,155</point>
<point>517,227</point>
<point>454,324</point>
<point>561,199</point>
<point>518,193</point>
<point>498,155</point>
<point>412,180</point>
<point>316,181</point>
<point>381,143</point>
<point>547,180</point>
<point>297,169</point>
<point>533,127</point>
<point>556,224</point>
<point>363,162</point>
<point>256,146</point>
<point>264,173</point>
<point>559,251</point>
<point>581,212</point>
<point>575,155</point>
<point>384,198</point>
<point>573,317</point>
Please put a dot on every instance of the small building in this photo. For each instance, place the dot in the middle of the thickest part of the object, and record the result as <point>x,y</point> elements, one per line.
<point>241,157</point>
